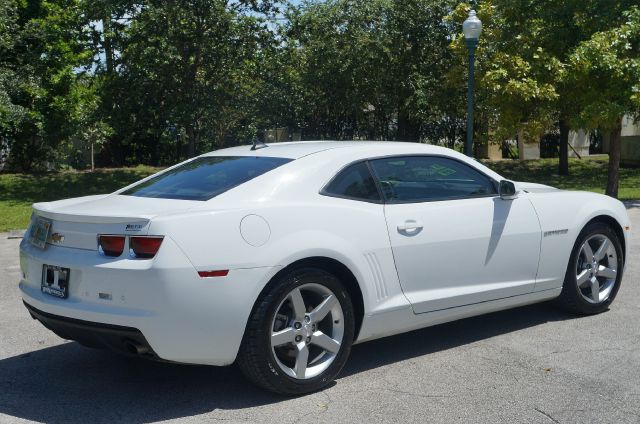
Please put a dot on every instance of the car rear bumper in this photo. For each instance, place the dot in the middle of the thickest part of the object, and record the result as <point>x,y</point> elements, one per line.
<point>161,305</point>
<point>126,340</point>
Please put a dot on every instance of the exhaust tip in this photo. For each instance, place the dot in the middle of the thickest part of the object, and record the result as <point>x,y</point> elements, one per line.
<point>135,348</point>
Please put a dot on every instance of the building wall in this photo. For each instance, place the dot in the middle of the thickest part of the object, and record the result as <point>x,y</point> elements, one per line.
<point>629,127</point>
<point>629,142</point>
<point>580,141</point>
<point>630,150</point>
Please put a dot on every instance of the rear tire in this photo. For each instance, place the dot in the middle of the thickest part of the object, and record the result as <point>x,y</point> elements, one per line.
<point>594,272</point>
<point>300,333</point>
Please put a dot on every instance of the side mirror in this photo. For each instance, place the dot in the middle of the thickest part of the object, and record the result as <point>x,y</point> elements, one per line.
<point>508,190</point>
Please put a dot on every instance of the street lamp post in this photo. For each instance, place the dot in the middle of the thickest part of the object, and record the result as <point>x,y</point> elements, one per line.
<point>471,28</point>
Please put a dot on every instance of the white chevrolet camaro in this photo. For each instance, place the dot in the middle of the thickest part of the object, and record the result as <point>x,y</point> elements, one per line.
<point>280,257</point>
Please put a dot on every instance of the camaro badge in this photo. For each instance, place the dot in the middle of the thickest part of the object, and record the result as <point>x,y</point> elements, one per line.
<point>556,232</point>
<point>57,238</point>
<point>134,227</point>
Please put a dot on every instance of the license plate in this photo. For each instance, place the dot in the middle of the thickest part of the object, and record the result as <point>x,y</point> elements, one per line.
<point>39,232</point>
<point>55,281</point>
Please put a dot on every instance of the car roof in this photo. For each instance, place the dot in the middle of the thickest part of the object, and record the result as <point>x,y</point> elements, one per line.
<point>298,149</point>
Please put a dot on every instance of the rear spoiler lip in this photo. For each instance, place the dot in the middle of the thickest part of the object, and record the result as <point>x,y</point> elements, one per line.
<point>92,219</point>
<point>73,210</point>
<point>62,210</point>
<point>41,209</point>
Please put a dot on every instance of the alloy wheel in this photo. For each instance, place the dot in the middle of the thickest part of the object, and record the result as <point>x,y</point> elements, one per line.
<point>307,331</point>
<point>596,268</point>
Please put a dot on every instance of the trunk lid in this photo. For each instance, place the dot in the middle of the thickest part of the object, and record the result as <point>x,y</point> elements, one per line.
<point>76,223</point>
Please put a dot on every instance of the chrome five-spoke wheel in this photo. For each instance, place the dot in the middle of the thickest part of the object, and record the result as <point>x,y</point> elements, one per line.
<point>596,268</point>
<point>300,332</point>
<point>307,331</point>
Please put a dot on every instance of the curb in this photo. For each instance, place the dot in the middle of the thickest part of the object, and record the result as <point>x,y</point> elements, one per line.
<point>14,234</point>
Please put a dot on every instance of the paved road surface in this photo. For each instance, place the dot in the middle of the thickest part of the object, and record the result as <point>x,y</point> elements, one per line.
<point>534,364</point>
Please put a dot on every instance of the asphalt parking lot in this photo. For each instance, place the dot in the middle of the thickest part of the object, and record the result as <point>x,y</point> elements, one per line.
<point>534,364</point>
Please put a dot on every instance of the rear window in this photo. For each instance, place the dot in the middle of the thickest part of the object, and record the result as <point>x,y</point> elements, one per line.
<point>204,178</point>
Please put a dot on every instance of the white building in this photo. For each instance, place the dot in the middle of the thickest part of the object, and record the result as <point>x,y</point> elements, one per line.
<point>629,143</point>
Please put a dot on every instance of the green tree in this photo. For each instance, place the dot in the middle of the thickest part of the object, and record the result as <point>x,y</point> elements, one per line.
<point>372,69</point>
<point>523,57</point>
<point>41,62</point>
<point>91,131</point>
<point>10,113</point>
<point>188,68</point>
<point>607,69</point>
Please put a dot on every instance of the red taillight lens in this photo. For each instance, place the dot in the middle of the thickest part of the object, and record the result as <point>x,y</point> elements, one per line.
<point>111,245</point>
<point>145,247</point>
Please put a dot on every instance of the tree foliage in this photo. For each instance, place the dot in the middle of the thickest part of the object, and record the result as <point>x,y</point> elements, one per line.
<point>39,61</point>
<point>525,74</point>
<point>607,69</point>
<point>373,68</point>
<point>156,81</point>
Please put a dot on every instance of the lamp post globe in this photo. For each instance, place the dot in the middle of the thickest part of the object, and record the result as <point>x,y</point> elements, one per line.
<point>471,28</point>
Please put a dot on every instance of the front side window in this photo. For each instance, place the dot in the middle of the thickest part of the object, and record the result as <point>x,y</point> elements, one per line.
<point>354,182</point>
<point>205,177</point>
<point>427,178</point>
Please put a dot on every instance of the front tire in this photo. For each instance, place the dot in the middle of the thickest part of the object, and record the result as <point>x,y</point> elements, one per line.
<point>594,272</point>
<point>300,333</point>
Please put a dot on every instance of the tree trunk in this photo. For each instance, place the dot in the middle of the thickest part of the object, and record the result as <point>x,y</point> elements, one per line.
<point>407,128</point>
<point>614,160</point>
<point>191,141</point>
<point>521,140</point>
<point>563,163</point>
<point>178,147</point>
<point>113,143</point>
<point>108,46</point>
<point>93,163</point>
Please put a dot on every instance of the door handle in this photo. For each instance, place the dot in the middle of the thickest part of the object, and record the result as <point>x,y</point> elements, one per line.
<point>410,225</point>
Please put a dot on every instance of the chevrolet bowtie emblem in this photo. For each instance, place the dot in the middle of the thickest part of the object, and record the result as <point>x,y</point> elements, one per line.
<point>57,238</point>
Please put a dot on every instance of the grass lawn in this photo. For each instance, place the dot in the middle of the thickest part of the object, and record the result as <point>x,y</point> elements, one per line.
<point>19,191</point>
<point>588,174</point>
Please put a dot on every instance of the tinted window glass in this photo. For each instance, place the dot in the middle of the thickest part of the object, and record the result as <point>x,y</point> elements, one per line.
<point>423,178</point>
<point>205,177</point>
<point>354,182</point>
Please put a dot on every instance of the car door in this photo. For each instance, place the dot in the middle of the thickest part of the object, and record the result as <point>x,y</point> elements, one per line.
<point>455,242</point>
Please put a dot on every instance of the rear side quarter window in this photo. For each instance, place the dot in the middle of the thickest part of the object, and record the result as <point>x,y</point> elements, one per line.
<point>355,182</point>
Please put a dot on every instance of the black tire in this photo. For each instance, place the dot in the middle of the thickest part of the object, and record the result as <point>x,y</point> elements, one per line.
<point>256,357</point>
<point>571,298</point>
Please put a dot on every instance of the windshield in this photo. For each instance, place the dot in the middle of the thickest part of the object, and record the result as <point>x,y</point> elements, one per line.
<point>205,177</point>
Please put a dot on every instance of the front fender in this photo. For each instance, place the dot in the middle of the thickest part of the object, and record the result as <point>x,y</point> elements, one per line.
<point>562,215</point>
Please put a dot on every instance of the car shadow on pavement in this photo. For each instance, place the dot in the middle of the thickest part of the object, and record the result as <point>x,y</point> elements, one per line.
<point>447,336</point>
<point>74,384</point>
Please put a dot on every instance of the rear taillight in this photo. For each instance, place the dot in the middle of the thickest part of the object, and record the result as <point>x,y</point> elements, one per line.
<point>110,245</point>
<point>144,247</point>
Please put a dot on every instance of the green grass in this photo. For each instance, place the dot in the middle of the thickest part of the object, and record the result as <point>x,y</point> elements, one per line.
<point>588,174</point>
<point>19,191</point>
